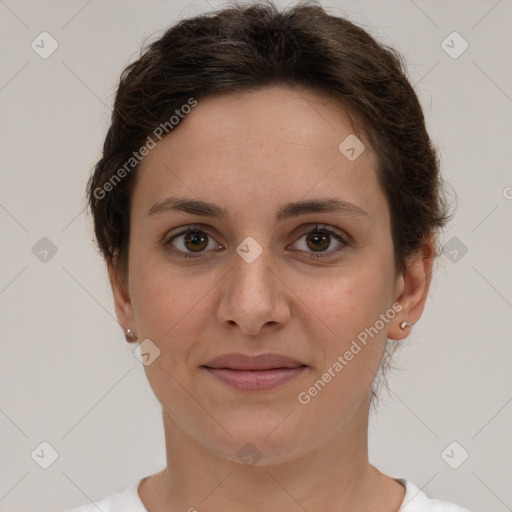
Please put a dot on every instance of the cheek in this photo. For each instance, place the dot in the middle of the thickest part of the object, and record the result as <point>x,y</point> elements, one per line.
<point>170,311</point>
<point>354,315</point>
<point>348,302</point>
<point>351,345</point>
<point>164,305</point>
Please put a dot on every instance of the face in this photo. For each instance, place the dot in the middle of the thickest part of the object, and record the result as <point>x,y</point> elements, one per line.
<point>292,255</point>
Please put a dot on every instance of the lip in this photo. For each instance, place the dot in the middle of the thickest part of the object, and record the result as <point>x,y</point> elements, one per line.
<point>255,380</point>
<point>254,373</point>
<point>266,361</point>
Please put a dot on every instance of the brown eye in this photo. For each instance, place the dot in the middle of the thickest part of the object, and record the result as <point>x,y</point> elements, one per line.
<point>191,241</point>
<point>319,240</point>
<point>196,241</point>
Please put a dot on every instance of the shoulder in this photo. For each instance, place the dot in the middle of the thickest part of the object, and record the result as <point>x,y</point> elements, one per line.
<point>124,501</point>
<point>415,500</point>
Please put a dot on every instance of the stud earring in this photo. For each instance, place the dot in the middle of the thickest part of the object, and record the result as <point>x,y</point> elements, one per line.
<point>404,325</point>
<point>129,335</point>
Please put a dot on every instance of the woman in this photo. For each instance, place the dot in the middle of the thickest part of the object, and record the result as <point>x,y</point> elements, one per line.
<point>267,203</point>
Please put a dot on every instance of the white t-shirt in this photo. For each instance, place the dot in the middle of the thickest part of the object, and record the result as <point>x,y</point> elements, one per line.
<point>415,500</point>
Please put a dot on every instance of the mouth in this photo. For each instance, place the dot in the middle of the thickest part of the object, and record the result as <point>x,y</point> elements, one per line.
<point>249,372</point>
<point>255,380</point>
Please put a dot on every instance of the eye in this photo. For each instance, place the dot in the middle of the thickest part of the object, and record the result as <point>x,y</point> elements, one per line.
<point>194,242</point>
<point>191,242</point>
<point>319,240</point>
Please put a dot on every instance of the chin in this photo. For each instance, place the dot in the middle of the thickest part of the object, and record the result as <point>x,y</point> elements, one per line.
<point>261,443</point>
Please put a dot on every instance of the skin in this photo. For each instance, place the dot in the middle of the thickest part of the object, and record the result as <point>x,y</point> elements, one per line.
<point>250,153</point>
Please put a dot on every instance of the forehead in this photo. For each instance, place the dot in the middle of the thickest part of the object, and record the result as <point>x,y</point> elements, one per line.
<point>279,114</point>
<point>259,146</point>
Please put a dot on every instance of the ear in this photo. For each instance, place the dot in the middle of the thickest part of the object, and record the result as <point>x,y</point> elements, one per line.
<point>122,301</point>
<point>412,290</point>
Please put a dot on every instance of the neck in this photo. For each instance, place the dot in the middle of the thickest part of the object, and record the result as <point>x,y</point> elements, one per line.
<point>334,475</point>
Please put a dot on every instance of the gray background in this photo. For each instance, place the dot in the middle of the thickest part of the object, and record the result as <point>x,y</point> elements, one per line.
<point>67,375</point>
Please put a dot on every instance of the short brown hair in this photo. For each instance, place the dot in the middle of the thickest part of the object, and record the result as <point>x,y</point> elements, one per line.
<point>241,48</point>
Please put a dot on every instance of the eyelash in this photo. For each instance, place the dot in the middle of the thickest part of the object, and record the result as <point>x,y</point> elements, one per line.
<point>317,230</point>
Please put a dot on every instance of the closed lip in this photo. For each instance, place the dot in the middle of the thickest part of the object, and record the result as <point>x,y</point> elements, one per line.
<point>268,361</point>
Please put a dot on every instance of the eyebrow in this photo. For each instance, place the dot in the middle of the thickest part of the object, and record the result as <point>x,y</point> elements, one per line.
<point>286,211</point>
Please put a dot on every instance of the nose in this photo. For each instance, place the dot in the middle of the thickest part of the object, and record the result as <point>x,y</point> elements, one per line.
<point>254,297</point>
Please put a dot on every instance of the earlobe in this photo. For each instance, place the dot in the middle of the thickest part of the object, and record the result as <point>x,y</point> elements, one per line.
<point>413,287</point>
<point>122,301</point>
